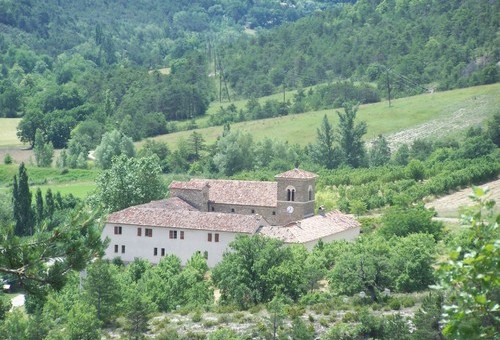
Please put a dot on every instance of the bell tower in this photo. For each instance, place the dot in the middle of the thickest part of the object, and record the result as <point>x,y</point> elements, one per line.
<point>295,196</point>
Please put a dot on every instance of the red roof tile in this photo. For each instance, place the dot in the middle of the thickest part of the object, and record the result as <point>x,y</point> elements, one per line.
<point>194,184</point>
<point>251,193</point>
<point>173,203</point>
<point>297,174</point>
<point>187,219</point>
<point>312,228</point>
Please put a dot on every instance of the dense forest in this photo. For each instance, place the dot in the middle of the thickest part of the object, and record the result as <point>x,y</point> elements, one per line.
<point>93,65</point>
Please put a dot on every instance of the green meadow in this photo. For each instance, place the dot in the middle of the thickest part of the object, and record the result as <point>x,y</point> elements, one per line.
<point>479,102</point>
<point>8,130</point>
<point>75,181</point>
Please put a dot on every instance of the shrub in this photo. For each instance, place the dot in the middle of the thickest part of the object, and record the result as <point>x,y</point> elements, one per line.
<point>7,159</point>
<point>196,316</point>
<point>395,304</point>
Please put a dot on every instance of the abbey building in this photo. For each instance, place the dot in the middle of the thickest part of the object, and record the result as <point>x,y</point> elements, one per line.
<point>204,216</point>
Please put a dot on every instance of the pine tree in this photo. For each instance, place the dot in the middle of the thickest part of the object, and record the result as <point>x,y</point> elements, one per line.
<point>40,214</point>
<point>21,201</point>
<point>323,152</point>
<point>50,205</point>
<point>350,137</point>
<point>380,152</point>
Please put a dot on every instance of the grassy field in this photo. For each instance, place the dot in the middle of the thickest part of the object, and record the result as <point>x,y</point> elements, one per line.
<point>478,102</point>
<point>8,130</point>
<point>75,181</point>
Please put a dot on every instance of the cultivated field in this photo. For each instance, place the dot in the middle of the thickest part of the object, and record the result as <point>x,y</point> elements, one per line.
<point>8,130</point>
<point>450,206</point>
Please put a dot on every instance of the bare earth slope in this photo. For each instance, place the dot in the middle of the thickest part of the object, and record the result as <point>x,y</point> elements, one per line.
<point>449,206</point>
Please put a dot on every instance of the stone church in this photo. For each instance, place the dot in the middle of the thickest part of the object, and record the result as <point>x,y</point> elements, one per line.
<point>205,215</point>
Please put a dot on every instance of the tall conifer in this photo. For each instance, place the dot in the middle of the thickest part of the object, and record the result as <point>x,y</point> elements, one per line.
<point>21,197</point>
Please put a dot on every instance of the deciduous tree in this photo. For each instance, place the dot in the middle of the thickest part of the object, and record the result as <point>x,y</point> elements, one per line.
<point>129,181</point>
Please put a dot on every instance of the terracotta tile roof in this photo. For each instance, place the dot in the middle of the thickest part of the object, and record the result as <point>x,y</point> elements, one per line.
<point>187,219</point>
<point>297,174</point>
<point>194,184</point>
<point>172,203</point>
<point>250,193</point>
<point>312,228</point>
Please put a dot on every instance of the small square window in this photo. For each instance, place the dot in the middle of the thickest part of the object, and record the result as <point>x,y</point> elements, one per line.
<point>116,248</point>
<point>216,237</point>
<point>274,212</point>
<point>155,251</point>
<point>148,232</point>
<point>139,231</point>
<point>123,249</point>
<point>253,211</point>
<point>118,230</point>
<point>172,234</point>
<point>209,237</point>
<point>182,235</point>
<point>232,210</point>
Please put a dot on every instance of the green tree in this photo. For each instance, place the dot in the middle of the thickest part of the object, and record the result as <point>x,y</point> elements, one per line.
<point>196,145</point>
<point>493,129</point>
<point>323,151</point>
<point>21,201</point>
<point>402,221</point>
<point>234,153</point>
<point>49,203</point>
<point>137,308</point>
<point>103,290</point>
<point>256,270</point>
<point>277,315</point>
<point>82,323</point>
<point>350,137</point>
<point>40,212</point>
<point>129,181</point>
<point>74,243</point>
<point>469,279</point>
<point>402,155</point>
<point>44,151</point>
<point>380,153</point>
<point>160,149</point>
<point>161,283</point>
<point>113,144</point>
<point>427,318</point>
<point>415,170</point>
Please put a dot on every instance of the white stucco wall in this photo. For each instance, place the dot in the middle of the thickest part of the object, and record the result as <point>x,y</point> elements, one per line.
<point>143,246</point>
<point>347,235</point>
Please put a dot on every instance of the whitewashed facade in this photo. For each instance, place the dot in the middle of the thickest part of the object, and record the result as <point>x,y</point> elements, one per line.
<point>206,216</point>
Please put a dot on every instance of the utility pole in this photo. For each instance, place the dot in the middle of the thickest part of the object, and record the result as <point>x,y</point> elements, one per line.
<point>388,85</point>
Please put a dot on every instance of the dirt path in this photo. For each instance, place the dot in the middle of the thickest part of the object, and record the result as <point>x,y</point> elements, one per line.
<point>449,206</point>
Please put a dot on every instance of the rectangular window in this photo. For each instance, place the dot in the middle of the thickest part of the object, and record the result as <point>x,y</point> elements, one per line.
<point>213,208</point>
<point>182,235</point>
<point>274,212</point>
<point>123,249</point>
<point>155,251</point>
<point>118,230</point>
<point>209,237</point>
<point>162,251</point>
<point>139,231</point>
<point>253,211</point>
<point>172,234</point>
<point>232,210</point>
<point>116,248</point>
<point>148,232</point>
<point>216,237</point>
